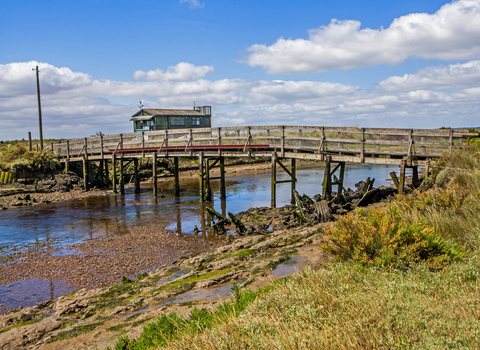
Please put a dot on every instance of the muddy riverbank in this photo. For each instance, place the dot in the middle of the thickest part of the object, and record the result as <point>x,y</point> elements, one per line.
<point>254,255</point>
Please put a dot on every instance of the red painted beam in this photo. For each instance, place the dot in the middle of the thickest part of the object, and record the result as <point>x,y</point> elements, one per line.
<point>190,148</point>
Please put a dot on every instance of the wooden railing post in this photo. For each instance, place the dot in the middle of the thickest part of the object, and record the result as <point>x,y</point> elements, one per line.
<point>85,144</point>
<point>274,181</point>
<point>101,146</point>
<point>362,144</point>
<point>282,153</point>
<point>219,137</point>
<point>410,145</point>
<point>67,160</point>
<point>450,141</point>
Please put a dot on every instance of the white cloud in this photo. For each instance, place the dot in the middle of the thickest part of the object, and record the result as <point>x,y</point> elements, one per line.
<point>193,3</point>
<point>76,105</point>
<point>183,71</point>
<point>453,32</point>
<point>454,76</point>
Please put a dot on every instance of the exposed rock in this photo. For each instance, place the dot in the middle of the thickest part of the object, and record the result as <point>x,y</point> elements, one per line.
<point>18,338</point>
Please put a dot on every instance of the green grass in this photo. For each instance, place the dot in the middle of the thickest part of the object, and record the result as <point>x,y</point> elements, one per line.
<point>350,307</point>
<point>169,327</point>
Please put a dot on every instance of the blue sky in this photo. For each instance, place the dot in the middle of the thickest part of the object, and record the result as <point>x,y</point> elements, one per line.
<point>344,63</point>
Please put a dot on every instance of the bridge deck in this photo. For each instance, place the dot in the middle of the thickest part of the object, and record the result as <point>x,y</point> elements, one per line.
<point>359,145</point>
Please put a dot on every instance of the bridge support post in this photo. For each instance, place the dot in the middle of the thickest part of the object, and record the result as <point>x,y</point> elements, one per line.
<point>136,176</point>
<point>401,182</point>
<point>177,181</point>
<point>105,174</point>
<point>415,176</point>
<point>293,176</point>
<point>274,181</point>
<point>114,173</point>
<point>223,190</point>
<point>201,180</point>
<point>208,194</point>
<point>122,178</point>
<point>154,175</point>
<point>341,176</point>
<point>101,172</point>
<point>85,172</point>
<point>327,180</point>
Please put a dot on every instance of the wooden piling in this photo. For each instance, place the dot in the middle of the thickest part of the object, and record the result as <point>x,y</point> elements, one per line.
<point>122,178</point>
<point>201,182</point>
<point>114,173</point>
<point>136,176</point>
<point>327,180</point>
<point>154,175</point>
<point>401,180</point>
<point>223,189</point>
<point>415,176</point>
<point>106,180</point>
<point>340,178</point>
<point>30,141</point>
<point>427,168</point>
<point>293,170</point>
<point>274,181</point>
<point>177,181</point>
<point>85,172</point>
<point>208,195</point>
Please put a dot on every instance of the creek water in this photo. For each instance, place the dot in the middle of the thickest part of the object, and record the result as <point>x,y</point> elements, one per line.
<point>61,224</point>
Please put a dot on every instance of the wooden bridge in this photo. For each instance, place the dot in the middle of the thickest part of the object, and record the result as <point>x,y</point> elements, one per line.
<point>408,148</point>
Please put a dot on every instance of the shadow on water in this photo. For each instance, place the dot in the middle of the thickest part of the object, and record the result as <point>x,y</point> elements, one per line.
<point>292,265</point>
<point>30,292</point>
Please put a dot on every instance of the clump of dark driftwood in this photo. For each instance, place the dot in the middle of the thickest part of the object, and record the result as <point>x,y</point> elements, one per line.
<point>308,210</point>
<point>219,226</point>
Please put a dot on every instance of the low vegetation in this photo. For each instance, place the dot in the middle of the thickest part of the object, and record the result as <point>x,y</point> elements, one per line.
<point>18,157</point>
<point>405,276</point>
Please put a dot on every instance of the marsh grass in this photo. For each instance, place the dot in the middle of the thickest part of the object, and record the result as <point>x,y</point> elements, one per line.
<point>349,307</point>
<point>169,327</point>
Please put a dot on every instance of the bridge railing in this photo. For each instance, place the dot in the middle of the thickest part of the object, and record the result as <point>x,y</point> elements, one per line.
<point>362,142</point>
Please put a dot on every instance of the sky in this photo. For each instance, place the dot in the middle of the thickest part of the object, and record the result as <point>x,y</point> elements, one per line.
<point>402,64</point>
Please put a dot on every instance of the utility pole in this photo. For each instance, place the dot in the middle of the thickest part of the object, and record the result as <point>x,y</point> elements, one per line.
<point>39,110</point>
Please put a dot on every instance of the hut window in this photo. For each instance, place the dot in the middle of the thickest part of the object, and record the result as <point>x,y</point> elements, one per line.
<point>178,121</point>
<point>195,121</point>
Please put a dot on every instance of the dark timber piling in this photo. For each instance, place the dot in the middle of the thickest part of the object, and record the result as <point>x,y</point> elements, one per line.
<point>177,181</point>
<point>122,177</point>
<point>154,175</point>
<point>136,176</point>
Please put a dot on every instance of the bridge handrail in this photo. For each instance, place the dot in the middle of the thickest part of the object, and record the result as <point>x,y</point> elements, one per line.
<point>319,139</point>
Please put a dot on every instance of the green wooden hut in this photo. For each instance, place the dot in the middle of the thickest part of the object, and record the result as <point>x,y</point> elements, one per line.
<point>161,119</point>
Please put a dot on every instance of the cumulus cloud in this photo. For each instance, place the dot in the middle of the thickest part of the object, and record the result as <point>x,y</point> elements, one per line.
<point>183,71</point>
<point>452,32</point>
<point>76,105</point>
<point>453,76</point>
<point>193,3</point>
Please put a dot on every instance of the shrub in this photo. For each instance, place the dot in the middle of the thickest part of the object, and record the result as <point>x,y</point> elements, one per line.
<point>382,238</point>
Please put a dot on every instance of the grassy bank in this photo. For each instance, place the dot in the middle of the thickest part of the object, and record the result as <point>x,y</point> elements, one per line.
<point>405,276</point>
